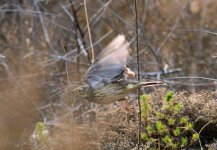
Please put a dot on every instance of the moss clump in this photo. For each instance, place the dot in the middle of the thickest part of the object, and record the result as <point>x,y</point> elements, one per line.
<point>166,128</point>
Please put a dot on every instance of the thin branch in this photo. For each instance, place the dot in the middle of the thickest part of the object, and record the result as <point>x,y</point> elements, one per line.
<point>88,28</point>
<point>138,75</point>
<point>192,77</point>
<point>46,34</point>
<point>77,26</point>
<point>77,38</point>
<point>205,126</point>
<point>66,63</point>
<point>201,147</point>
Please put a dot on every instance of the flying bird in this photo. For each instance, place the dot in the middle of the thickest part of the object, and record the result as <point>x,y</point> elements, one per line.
<point>107,79</point>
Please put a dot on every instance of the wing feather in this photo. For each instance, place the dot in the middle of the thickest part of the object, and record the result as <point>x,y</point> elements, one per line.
<point>110,63</point>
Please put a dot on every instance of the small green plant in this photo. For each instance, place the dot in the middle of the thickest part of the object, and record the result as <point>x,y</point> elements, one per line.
<point>161,128</point>
<point>40,132</point>
<point>184,120</point>
<point>170,96</point>
<point>176,131</point>
<point>189,126</point>
<point>150,129</point>
<point>39,138</point>
<point>166,126</point>
<point>195,137</point>
<point>160,115</point>
<point>145,107</point>
<point>177,108</point>
<point>184,141</point>
<point>171,121</point>
<point>167,139</point>
<point>144,137</point>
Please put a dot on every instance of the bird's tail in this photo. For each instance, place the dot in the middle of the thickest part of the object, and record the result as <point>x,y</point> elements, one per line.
<point>138,84</point>
<point>150,83</point>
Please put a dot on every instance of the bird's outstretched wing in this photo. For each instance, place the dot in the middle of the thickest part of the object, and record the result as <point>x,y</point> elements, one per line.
<point>110,63</point>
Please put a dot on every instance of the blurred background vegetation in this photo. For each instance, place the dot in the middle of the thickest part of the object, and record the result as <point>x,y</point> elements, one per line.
<point>45,50</point>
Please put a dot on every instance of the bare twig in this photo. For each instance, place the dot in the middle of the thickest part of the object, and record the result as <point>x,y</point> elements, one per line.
<point>77,38</point>
<point>81,33</point>
<point>171,81</point>
<point>201,147</point>
<point>56,58</point>
<point>66,62</point>
<point>46,34</point>
<point>196,30</point>
<point>205,126</point>
<point>138,74</point>
<point>88,28</point>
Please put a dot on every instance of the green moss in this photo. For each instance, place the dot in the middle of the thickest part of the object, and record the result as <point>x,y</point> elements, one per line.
<point>167,139</point>
<point>145,106</point>
<point>171,121</point>
<point>189,126</point>
<point>169,96</point>
<point>150,129</point>
<point>144,137</point>
<point>177,131</point>
<point>174,145</point>
<point>160,115</point>
<point>177,108</point>
<point>161,127</point>
<point>184,141</point>
<point>184,119</point>
<point>195,136</point>
<point>166,126</point>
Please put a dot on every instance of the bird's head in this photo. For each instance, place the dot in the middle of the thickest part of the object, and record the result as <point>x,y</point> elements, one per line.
<point>81,91</point>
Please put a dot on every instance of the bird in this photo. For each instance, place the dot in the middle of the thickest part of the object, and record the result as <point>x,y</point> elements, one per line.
<point>107,80</point>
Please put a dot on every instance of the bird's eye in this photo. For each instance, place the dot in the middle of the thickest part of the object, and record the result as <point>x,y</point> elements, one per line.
<point>79,90</point>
